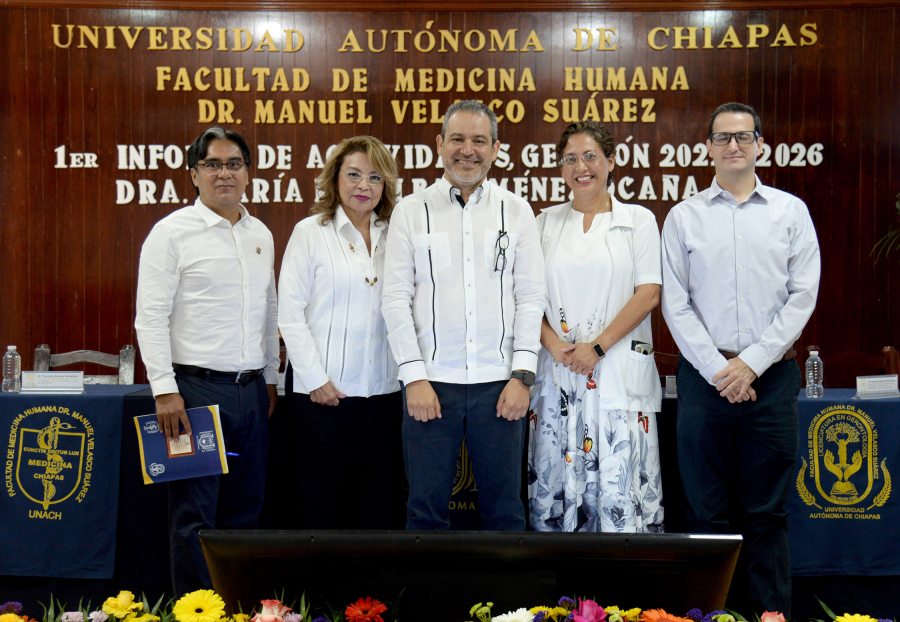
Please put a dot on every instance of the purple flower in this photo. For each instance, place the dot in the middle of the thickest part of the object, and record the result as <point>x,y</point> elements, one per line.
<point>11,606</point>
<point>539,616</point>
<point>694,614</point>
<point>322,619</point>
<point>566,603</point>
<point>72,616</point>
<point>709,616</point>
<point>292,617</point>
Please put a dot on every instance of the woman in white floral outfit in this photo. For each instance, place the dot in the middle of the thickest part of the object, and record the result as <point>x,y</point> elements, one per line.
<point>593,461</point>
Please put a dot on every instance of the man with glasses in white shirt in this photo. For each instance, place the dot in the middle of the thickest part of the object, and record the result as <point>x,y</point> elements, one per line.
<point>463,300</point>
<point>207,328</point>
<point>740,279</point>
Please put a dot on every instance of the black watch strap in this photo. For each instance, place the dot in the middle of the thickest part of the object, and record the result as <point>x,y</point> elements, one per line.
<point>527,377</point>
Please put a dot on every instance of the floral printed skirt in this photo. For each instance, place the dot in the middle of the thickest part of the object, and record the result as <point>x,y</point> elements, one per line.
<point>591,469</point>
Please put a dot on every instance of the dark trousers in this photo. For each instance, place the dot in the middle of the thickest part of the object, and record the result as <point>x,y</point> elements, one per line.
<point>232,501</point>
<point>349,462</point>
<point>430,450</point>
<point>737,463</point>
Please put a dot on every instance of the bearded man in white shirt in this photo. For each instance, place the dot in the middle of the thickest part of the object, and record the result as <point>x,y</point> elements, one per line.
<point>463,300</point>
<point>740,278</point>
<point>207,328</point>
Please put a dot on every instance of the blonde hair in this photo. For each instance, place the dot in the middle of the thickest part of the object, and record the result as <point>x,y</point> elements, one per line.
<point>327,181</point>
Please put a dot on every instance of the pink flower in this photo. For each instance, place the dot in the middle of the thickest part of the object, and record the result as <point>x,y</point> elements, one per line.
<point>588,611</point>
<point>771,616</point>
<point>272,611</point>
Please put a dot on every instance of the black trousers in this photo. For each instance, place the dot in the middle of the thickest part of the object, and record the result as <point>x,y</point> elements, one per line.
<point>349,462</point>
<point>737,463</point>
<point>232,501</point>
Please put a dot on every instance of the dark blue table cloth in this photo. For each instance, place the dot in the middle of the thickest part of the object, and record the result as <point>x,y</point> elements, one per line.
<point>60,497</point>
<point>844,514</point>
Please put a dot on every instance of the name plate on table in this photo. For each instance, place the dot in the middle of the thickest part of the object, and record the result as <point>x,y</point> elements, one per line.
<point>54,382</point>
<point>876,387</point>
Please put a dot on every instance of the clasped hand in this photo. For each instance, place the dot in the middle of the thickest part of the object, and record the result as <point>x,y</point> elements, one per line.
<point>579,358</point>
<point>733,381</point>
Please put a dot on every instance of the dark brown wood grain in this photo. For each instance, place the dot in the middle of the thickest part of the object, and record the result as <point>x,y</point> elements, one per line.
<point>70,253</point>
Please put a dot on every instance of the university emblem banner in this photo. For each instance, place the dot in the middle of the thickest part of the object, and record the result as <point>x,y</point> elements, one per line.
<point>843,510</point>
<point>60,482</point>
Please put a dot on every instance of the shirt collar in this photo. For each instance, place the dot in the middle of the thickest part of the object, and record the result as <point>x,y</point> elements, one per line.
<point>212,219</point>
<point>621,215</point>
<point>341,220</point>
<point>453,192</point>
<point>759,189</point>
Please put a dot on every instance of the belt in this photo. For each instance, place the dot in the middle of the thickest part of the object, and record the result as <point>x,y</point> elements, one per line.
<point>791,353</point>
<point>237,377</point>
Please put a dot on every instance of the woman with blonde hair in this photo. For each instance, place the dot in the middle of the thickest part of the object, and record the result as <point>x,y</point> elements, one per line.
<point>345,392</point>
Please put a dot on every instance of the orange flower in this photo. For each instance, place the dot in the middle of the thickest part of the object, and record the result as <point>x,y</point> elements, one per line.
<point>660,615</point>
<point>365,610</point>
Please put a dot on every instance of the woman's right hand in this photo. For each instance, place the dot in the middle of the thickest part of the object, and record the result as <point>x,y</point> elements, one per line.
<point>561,352</point>
<point>326,395</point>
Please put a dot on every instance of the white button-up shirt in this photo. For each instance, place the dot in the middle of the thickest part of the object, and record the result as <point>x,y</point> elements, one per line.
<point>458,309</point>
<point>329,308</point>
<point>738,277</point>
<point>206,296</point>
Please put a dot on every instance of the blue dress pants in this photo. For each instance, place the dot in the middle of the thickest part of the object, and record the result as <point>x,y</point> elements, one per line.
<point>737,464</point>
<point>430,450</point>
<point>232,501</point>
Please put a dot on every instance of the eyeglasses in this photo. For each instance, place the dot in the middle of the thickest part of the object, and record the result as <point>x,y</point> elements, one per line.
<point>742,138</point>
<point>570,158</point>
<point>500,247</point>
<point>355,177</point>
<point>214,166</point>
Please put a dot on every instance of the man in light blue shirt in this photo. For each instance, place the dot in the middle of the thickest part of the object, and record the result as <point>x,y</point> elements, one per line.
<point>740,278</point>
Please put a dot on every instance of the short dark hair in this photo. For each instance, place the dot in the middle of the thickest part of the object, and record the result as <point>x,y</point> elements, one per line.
<point>470,105</point>
<point>736,107</point>
<point>197,150</point>
<point>600,134</point>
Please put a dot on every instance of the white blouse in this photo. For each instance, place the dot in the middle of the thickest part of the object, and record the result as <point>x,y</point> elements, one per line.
<point>329,308</point>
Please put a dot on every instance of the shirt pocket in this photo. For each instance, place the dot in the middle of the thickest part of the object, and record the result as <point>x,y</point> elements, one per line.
<point>639,370</point>
<point>498,259</point>
<point>432,252</point>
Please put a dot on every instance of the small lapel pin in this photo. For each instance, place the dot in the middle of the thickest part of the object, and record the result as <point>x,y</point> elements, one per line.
<point>258,251</point>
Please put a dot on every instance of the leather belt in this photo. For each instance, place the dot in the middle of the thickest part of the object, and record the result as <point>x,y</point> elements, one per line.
<point>237,377</point>
<point>791,353</point>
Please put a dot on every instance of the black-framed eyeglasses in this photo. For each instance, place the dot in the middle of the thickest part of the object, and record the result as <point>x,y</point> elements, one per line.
<point>354,177</point>
<point>570,158</point>
<point>721,139</point>
<point>500,247</point>
<point>214,166</point>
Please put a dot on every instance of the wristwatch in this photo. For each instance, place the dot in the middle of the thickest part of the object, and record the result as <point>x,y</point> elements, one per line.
<point>600,351</point>
<point>527,377</point>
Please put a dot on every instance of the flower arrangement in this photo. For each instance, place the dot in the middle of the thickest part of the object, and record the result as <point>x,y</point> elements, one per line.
<point>585,610</point>
<point>197,606</point>
<point>207,606</point>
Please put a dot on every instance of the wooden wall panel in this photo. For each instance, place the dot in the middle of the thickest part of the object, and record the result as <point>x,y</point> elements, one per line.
<point>70,251</point>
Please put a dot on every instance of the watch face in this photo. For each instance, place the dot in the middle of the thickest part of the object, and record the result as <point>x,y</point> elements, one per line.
<point>527,377</point>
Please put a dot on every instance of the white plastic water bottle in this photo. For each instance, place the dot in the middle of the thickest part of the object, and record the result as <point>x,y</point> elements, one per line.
<point>815,375</point>
<point>12,371</point>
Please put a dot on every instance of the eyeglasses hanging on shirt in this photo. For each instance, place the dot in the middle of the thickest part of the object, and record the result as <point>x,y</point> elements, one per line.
<point>500,247</point>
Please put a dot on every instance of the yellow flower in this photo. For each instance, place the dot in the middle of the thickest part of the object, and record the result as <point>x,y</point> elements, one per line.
<point>145,617</point>
<point>240,617</point>
<point>854,617</point>
<point>10,617</point>
<point>199,606</point>
<point>121,604</point>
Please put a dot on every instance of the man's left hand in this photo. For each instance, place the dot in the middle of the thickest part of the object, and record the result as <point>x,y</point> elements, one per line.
<point>273,398</point>
<point>733,381</point>
<point>514,400</point>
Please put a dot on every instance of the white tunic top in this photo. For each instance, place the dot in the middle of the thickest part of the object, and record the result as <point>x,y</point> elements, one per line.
<point>329,310</point>
<point>590,277</point>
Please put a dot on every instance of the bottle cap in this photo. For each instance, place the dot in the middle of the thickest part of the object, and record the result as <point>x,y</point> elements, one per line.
<point>814,353</point>
<point>10,348</point>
